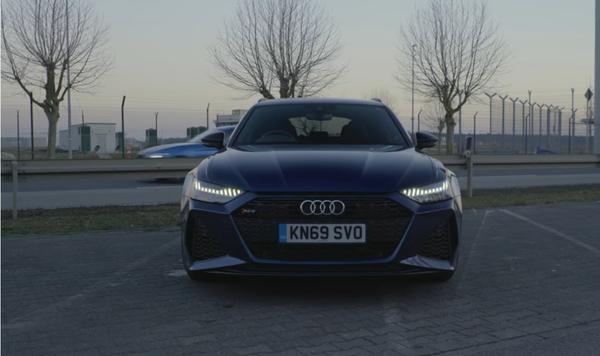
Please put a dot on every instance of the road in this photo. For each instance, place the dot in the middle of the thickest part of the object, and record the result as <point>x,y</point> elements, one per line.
<point>61,191</point>
<point>528,285</point>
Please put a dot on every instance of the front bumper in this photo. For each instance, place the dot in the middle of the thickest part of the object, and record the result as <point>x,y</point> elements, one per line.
<point>213,240</point>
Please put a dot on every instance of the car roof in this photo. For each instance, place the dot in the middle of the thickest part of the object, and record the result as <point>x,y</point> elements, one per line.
<point>305,101</point>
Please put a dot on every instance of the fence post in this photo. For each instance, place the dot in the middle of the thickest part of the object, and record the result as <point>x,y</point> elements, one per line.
<point>469,162</point>
<point>15,184</point>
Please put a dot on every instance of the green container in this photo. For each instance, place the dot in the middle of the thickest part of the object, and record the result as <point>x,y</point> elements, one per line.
<point>151,139</point>
<point>86,138</point>
<point>192,132</point>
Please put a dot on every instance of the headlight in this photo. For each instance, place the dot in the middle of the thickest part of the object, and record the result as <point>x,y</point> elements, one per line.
<point>212,193</point>
<point>429,193</point>
<point>158,155</point>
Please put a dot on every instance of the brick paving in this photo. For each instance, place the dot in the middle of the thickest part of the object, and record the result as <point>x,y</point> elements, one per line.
<point>528,283</point>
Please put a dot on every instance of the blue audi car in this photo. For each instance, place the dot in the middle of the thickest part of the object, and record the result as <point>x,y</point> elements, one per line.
<point>191,148</point>
<point>320,187</point>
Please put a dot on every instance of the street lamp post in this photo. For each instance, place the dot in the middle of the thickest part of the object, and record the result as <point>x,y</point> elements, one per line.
<point>412,115</point>
<point>69,134</point>
<point>460,93</point>
<point>419,120</point>
<point>597,80</point>
<point>475,132</point>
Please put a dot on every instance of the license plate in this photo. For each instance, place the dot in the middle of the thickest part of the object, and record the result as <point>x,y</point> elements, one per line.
<point>322,233</point>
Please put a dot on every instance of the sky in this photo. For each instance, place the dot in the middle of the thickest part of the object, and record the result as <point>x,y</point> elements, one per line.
<point>162,64</point>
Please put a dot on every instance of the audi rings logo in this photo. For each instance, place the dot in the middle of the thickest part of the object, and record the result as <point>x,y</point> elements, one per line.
<point>322,207</point>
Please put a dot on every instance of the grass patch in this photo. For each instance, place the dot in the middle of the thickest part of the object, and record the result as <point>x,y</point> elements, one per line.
<point>531,196</point>
<point>67,221</point>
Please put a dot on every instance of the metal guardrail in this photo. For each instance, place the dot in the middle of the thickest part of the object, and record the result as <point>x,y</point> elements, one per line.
<point>101,166</point>
<point>186,164</point>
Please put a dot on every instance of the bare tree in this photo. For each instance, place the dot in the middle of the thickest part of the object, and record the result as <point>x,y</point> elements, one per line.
<point>457,53</point>
<point>386,96</point>
<point>435,121</point>
<point>36,53</point>
<point>283,45</point>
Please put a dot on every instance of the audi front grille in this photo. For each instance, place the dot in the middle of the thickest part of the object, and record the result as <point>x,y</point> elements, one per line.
<point>258,221</point>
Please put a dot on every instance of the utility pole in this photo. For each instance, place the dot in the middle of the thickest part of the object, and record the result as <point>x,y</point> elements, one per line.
<point>460,143</point>
<point>540,124</point>
<point>475,132</point>
<point>156,126</point>
<point>412,112</point>
<point>491,96</point>
<point>548,114</point>
<point>123,128</point>
<point>571,129</point>
<point>597,80</point>
<point>18,137</point>
<point>207,111</point>
<point>524,122</point>
<point>530,127</point>
<point>31,124</point>
<point>68,82</point>
<point>560,109</point>
<point>514,103</point>
<point>503,98</point>
<point>82,119</point>
<point>572,119</point>
<point>459,149</point>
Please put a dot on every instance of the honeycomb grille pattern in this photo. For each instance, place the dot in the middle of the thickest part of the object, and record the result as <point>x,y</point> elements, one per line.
<point>203,246</point>
<point>438,244</point>
<point>385,220</point>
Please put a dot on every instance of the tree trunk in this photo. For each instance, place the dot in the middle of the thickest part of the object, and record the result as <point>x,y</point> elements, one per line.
<point>52,124</point>
<point>284,88</point>
<point>450,133</point>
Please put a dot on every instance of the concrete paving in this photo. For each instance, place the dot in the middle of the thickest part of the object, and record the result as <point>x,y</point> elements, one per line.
<point>528,284</point>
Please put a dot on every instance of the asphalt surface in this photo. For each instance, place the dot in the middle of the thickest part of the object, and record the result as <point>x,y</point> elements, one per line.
<point>528,285</point>
<point>88,190</point>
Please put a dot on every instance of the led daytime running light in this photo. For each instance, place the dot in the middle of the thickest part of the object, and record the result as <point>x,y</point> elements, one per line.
<point>224,192</point>
<point>418,192</point>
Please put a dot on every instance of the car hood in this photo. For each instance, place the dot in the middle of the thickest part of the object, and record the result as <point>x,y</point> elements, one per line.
<point>320,170</point>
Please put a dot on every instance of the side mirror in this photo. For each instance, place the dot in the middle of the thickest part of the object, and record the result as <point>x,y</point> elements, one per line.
<point>425,140</point>
<point>215,140</point>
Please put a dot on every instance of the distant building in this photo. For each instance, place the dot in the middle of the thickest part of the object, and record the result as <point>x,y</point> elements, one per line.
<point>98,137</point>
<point>194,131</point>
<point>230,119</point>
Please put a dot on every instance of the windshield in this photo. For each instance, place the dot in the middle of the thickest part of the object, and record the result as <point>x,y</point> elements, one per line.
<point>337,124</point>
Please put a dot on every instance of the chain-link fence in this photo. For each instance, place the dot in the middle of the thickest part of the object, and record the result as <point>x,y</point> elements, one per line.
<point>501,124</point>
